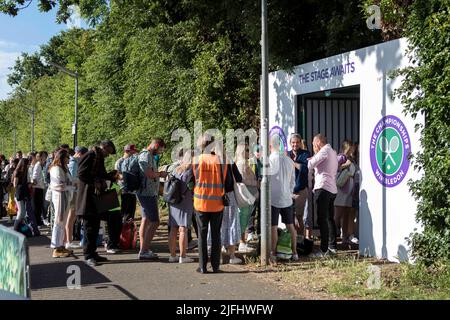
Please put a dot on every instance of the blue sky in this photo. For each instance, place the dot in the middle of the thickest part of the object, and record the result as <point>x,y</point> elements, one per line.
<point>25,33</point>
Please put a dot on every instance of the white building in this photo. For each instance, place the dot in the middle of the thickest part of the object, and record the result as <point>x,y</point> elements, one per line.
<point>348,96</point>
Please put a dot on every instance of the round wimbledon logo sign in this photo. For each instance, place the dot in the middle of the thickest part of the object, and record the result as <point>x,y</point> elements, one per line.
<point>283,141</point>
<point>390,147</point>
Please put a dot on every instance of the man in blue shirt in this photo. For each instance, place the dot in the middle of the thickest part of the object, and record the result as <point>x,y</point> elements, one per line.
<point>301,193</point>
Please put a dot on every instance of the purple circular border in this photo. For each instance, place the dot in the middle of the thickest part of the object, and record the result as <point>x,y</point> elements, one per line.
<point>406,152</point>
<point>280,132</point>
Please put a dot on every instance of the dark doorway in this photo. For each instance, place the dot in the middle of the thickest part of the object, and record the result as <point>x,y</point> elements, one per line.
<point>334,113</point>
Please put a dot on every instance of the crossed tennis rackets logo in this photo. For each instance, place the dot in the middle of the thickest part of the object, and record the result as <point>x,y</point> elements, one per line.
<point>389,147</point>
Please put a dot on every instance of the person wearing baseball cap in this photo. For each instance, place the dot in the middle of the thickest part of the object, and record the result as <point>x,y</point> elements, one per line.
<point>130,148</point>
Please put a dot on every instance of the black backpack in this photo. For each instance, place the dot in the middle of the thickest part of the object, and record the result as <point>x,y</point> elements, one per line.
<point>173,192</point>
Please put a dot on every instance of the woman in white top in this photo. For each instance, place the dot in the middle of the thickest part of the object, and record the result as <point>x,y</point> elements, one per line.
<point>61,188</point>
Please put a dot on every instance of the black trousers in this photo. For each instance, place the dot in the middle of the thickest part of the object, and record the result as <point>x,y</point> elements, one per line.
<point>324,201</point>
<point>194,224</point>
<point>114,222</point>
<point>214,220</point>
<point>91,224</point>
<point>128,206</point>
<point>38,205</point>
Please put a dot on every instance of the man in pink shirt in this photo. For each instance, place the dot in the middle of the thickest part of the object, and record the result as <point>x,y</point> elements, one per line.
<point>325,165</point>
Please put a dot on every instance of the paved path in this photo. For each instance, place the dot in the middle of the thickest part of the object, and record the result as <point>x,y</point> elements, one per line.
<point>125,277</point>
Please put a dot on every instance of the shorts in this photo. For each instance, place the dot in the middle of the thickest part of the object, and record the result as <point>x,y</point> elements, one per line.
<point>149,206</point>
<point>287,215</point>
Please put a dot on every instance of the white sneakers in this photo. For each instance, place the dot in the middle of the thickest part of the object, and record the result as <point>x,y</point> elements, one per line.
<point>173,259</point>
<point>244,248</point>
<point>147,255</point>
<point>252,237</point>
<point>353,239</point>
<point>72,245</point>
<point>235,260</point>
<point>185,260</point>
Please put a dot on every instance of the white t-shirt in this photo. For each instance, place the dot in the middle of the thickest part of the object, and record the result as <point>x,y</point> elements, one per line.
<point>282,180</point>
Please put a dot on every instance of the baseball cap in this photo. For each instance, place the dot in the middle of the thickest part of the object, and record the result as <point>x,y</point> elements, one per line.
<point>130,148</point>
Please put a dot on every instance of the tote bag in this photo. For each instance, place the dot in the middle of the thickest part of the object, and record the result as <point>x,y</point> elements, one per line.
<point>244,198</point>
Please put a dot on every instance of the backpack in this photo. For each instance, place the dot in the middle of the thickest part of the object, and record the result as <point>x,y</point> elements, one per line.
<point>305,247</point>
<point>128,236</point>
<point>284,248</point>
<point>173,190</point>
<point>131,174</point>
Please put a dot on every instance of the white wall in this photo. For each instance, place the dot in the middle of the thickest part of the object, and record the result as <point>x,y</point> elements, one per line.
<point>387,214</point>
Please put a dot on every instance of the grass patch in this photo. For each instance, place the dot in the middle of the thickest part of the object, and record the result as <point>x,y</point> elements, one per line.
<point>351,277</point>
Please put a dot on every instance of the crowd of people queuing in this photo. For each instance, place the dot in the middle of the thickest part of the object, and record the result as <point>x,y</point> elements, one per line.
<point>70,181</point>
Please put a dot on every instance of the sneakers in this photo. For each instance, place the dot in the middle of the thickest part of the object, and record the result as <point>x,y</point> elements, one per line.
<point>295,257</point>
<point>112,250</point>
<point>192,244</point>
<point>235,260</point>
<point>147,255</point>
<point>321,254</point>
<point>353,239</point>
<point>252,237</point>
<point>72,245</point>
<point>174,259</point>
<point>185,260</point>
<point>60,253</point>
<point>92,262</point>
<point>244,248</point>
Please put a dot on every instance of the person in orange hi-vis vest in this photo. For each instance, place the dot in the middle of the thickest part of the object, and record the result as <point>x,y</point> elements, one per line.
<point>209,192</point>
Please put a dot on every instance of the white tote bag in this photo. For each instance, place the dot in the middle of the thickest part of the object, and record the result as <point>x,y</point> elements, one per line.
<point>244,198</point>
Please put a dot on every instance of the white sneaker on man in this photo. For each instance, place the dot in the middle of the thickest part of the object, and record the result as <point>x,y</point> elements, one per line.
<point>244,248</point>
<point>235,260</point>
<point>185,260</point>
<point>251,237</point>
<point>295,257</point>
<point>174,259</point>
<point>72,245</point>
<point>353,239</point>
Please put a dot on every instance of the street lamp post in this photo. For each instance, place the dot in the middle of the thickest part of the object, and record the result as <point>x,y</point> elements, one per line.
<point>265,186</point>
<point>73,74</point>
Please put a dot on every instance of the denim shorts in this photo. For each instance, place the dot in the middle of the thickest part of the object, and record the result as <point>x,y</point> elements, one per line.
<point>149,207</point>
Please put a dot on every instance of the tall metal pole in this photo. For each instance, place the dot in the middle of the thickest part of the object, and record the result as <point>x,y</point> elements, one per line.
<point>265,187</point>
<point>75,123</point>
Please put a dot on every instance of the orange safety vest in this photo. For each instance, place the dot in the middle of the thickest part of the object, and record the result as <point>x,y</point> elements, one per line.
<point>209,188</point>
